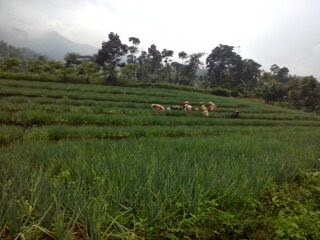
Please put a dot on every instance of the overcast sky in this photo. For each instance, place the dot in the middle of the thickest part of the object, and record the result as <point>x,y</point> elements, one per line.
<point>286,32</point>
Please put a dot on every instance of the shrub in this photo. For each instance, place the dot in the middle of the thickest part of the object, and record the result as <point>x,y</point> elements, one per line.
<point>221,92</point>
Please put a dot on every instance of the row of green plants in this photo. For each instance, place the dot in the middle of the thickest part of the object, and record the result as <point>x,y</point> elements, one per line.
<point>101,89</point>
<point>65,101</point>
<point>72,88</point>
<point>10,134</point>
<point>51,107</point>
<point>222,113</point>
<point>27,118</point>
<point>93,88</point>
<point>26,91</point>
<point>136,174</point>
<point>152,188</point>
<point>111,90</point>
<point>94,80</point>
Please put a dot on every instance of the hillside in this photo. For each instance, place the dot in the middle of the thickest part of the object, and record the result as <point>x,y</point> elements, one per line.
<point>50,44</point>
<point>84,161</point>
<point>11,51</point>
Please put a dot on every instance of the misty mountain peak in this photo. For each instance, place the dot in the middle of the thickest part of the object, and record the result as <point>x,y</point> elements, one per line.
<point>51,44</point>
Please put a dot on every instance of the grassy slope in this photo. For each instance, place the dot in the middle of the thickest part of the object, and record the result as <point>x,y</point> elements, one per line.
<point>97,162</point>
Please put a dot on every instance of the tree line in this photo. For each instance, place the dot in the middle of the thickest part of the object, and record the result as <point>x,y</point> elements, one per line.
<point>224,69</point>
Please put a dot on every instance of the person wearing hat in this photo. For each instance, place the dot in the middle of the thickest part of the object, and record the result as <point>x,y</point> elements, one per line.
<point>158,107</point>
<point>212,106</point>
<point>187,107</point>
<point>235,114</point>
<point>204,110</point>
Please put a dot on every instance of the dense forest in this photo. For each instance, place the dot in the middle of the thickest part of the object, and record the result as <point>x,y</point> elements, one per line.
<point>223,70</point>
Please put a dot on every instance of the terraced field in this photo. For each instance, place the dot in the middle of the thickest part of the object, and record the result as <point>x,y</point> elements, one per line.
<point>95,162</point>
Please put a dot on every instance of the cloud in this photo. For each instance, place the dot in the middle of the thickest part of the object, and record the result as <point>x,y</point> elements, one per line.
<point>285,32</point>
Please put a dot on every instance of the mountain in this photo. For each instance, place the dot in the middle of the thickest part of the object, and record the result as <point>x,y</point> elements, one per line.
<point>50,44</point>
<point>53,45</point>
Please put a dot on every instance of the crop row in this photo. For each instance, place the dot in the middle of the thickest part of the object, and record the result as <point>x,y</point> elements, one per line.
<point>58,108</point>
<point>13,101</point>
<point>28,118</point>
<point>143,94</point>
<point>99,89</point>
<point>145,186</point>
<point>10,134</point>
<point>126,99</point>
<point>11,91</point>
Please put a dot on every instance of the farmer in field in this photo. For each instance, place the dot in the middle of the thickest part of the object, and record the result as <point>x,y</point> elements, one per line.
<point>174,107</point>
<point>235,114</point>
<point>187,107</point>
<point>158,107</point>
<point>203,109</point>
<point>212,106</point>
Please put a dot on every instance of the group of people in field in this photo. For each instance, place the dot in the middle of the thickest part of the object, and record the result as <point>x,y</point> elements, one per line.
<point>203,108</point>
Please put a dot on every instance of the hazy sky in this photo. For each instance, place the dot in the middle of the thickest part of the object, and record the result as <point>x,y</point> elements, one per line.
<point>286,32</point>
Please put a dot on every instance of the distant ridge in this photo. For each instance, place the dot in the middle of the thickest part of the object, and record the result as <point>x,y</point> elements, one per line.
<point>50,44</point>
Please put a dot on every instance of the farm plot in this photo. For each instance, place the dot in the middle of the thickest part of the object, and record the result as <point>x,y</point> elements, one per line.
<point>95,162</point>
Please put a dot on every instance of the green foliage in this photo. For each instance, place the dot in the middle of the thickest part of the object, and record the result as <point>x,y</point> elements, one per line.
<point>221,92</point>
<point>224,67</point>
<point>280,74</point>
<point>305,94</point>
<point>72,59</point>
<point>154,68</point>
<point>129,72</point>
<point>94,161</point>
<point>154,60</point>
<point>10,64</point>
<point>111,51</point>
<point>132,58</point>
<point>190,70</point>
<point>292,211</point>
<point>270,91</point>
<point>250,73</point>
<point>8,51</point>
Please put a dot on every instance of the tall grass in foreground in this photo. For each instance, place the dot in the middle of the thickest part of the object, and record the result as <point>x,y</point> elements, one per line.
<point>151,188</point>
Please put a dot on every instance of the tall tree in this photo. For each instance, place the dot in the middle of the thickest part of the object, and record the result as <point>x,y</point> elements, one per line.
<point>72,59</point>
<point>283,74</point>
<point>177,69</point>
<point>224,67</point>
<point>133,49</point>
<point>309,93</point>
<point>250,73</point>
<point>135,41</point>
<point>111,51</point>
<point>183,55</point>
<point>271,91</point>
<point>190,70</point>
<point>110,55</point>
<point>154,59</point>
<point>166,55</point>
<point>280,74</point>
<point>144,66</point>
<point>274,69</point>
